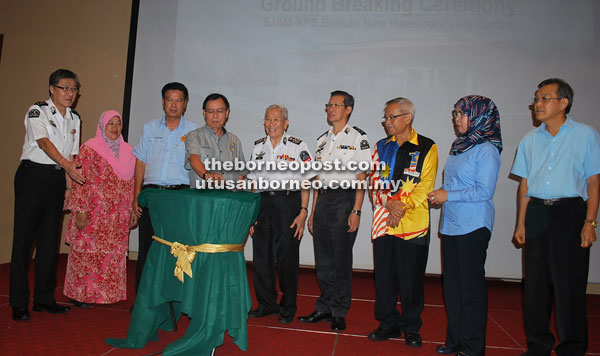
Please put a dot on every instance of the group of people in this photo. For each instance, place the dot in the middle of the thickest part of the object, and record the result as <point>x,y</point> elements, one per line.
<point>99,184</point>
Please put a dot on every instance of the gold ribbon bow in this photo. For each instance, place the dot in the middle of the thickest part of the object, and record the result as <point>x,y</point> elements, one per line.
<point>186,254</point>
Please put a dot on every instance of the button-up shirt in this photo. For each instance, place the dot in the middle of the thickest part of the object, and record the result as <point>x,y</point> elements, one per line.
<point>163,152</point>
<point>470,180</point>
<point>288,150</point>
<point>43,120</point>
<point>206,144</point>
<point>558,166</point>
<point>351,144</point>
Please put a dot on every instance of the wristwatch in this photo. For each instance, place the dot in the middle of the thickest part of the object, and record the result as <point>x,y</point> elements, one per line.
<point>357,212</point>
<point>594,223</point>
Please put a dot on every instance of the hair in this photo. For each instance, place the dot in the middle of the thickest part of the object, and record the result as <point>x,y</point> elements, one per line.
<point>283,109</point>
<point>348,99</point>
<point>175,86</point>
<point>59,74</point>
<point>403,101</point>
<point>215,96</point>
<point>564,90</point>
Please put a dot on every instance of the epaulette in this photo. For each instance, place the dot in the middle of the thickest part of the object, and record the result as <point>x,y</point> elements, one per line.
<point>322,135</point>
<point>294,140</point>
<point>359,130</point>
<point>41,103</point>
<point>76,113</point>
<point>260,140</point>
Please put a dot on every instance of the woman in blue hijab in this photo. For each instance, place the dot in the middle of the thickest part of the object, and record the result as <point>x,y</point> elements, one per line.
<point>467,220</point>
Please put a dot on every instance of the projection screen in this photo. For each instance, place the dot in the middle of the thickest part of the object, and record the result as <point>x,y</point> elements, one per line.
<point>295,52</point>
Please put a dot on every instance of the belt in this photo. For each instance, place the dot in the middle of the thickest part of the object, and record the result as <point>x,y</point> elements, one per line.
<point>552,202</point>
<point>167,187</point>
<point>334,190</point>
<point>275,193</point>
<point>54,167</point>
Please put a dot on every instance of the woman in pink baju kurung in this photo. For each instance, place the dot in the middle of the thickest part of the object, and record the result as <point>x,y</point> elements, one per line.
<point>98,230</point>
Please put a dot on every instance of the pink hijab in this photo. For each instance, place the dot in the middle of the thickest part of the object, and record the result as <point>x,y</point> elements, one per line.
<point>116,152</point>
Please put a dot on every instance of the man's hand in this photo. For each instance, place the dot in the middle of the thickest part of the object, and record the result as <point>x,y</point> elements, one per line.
<point>353,222</point>
<point>588,235</point>
<point>310,223</point>
<point>71,168</point>
<point>213,176</point>
<point>299,222</point>
<point>80,219</point>
<point>519,235</point>
<point>396,212</point>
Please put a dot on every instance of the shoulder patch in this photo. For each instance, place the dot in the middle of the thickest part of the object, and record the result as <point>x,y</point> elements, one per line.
<point>294,140</point>
<point>364,144</point>
<point>359,130</point>
<point>41,103</point>
<point>324,134</point>
<point>305,156</point>
<point>260,140</point>
<point>33,113</point>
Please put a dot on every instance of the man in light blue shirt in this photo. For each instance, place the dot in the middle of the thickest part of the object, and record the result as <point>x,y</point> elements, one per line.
<point>558,202</point>
<point>160,157</point>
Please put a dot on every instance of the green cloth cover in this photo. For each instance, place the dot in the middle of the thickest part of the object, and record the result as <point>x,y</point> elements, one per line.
<point>217,298</point>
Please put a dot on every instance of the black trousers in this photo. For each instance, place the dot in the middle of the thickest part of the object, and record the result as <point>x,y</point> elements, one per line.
<point>399,266</point>
<point>554,260</point>
<point>465,290</point>
<point>145,233</point>
<point>39,198</point>
<point>274,243</point>
<point>333,250</point>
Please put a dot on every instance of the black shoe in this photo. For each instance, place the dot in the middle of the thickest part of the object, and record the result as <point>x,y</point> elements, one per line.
<point>380,334</point>
<point>286,319</point>
<point>259,313</point>
<point>315,317</point>
<point>79,304</point>
<point>50,308</point>
<point>20,314</point>
<point>413,339</point>
<point>445,350</point>
<point>338,324</point>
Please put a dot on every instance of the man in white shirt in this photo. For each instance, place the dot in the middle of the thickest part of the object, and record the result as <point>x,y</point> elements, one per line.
<point>42,183</point>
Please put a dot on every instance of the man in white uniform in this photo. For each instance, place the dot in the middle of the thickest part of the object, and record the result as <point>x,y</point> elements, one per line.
<point>335,216</point>
<point>283,211</point>
<point>52,133</point>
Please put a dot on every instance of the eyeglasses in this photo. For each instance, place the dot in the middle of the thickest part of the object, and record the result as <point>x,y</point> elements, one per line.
<point>457,113</point>
<point>218,111</point>
<point>392,117</point>
<point>67,89</point>
<point>335,106</point>
<point>543,99</point>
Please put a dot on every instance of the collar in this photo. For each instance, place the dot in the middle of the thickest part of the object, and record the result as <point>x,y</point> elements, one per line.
<point>54,110</point>
<point>414,138</point>
<point>569,124</point>
<point>207,128</point>
<point>345,130</point>
<point>163,122</point>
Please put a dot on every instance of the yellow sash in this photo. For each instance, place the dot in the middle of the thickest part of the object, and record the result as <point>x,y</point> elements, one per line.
<point>185,254</point>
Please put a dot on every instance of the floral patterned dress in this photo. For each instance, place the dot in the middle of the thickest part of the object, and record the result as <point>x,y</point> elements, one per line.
<point>97,264</point>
